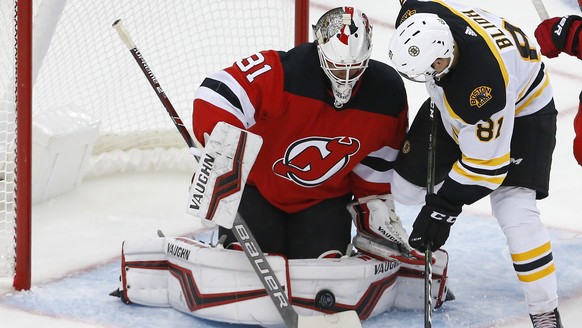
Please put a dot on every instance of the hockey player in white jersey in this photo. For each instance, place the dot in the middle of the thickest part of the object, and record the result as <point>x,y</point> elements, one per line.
<point>495,135</point>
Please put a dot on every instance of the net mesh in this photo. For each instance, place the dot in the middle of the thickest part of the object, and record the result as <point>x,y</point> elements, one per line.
<point>81,65</point>
<point>7,137</point>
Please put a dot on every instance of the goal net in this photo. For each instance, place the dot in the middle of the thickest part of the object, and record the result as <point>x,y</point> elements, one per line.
<point>82,72</point>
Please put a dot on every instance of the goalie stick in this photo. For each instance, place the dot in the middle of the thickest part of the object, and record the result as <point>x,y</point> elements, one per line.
<point>126,38</point>
<point>346,319</point>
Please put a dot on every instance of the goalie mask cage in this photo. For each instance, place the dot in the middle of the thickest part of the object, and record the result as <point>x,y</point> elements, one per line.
<point>79,65</point>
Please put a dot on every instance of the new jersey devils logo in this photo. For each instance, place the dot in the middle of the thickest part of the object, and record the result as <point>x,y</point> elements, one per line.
<point>310,162</point>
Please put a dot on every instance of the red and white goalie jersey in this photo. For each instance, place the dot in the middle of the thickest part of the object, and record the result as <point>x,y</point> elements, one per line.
<point>311,150</point>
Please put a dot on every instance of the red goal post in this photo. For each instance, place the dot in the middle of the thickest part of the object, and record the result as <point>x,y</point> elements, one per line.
<point>80,67</point>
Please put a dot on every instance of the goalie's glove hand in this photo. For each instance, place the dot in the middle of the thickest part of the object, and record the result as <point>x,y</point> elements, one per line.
<point>375,216</point>
<point>433,223</point>
<point>552,35</point>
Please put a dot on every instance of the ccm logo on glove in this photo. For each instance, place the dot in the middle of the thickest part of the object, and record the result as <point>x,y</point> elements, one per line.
<point>433,224</point>
<point>443,217</point>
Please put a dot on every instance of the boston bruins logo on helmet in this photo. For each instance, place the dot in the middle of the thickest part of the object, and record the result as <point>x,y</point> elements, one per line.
<point>413,51</point>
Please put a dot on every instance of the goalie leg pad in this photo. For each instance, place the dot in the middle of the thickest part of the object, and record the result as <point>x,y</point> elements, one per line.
<point>359,283</point>
<point>142,283</point>
<point>219,284</point>
<point>218,183</point>
<point>194,278</point>
<point>411,281</point>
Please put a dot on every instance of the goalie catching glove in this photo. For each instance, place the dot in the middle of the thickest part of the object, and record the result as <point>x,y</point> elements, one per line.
<point>375,218</point>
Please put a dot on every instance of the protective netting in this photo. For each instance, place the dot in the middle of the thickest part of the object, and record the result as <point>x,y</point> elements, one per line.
<point>7,137</point>
<point>88,68</point>
<point>81,65</point>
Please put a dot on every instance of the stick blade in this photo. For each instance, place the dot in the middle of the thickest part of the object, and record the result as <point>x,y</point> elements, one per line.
<point>345,319</point>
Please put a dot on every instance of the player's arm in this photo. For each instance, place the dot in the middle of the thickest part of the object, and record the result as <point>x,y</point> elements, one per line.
<point>480,170</point>
<point>578,132</point>
<point>484,162</point>
<point>235,95</point>
<point>372,176</point>
<point>373,212</point>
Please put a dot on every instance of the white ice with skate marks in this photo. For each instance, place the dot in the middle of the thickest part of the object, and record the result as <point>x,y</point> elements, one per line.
<point>77,237</point>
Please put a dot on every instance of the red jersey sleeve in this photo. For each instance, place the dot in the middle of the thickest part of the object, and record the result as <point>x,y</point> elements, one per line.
<point>373,175</point>
<point>237,94</point>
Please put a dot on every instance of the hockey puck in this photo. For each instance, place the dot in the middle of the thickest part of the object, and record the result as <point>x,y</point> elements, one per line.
<point>324,299</point>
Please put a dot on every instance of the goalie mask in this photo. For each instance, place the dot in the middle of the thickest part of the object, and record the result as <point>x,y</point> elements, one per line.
<point>417,43</point>
<point>344,44</point>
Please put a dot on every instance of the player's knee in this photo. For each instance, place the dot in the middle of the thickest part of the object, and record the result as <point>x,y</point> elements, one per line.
<point>516,211</point>
<point>514,202</point>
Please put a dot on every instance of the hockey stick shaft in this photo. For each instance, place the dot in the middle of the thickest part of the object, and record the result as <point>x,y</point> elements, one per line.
<point>541,9</point>
<point>264,271</point>
<point>240,229</point>
<point>429,189</point>
<point>127,40</point>
<point>345,319</point>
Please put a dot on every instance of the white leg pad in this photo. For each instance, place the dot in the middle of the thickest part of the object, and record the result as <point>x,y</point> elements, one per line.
<point>411,281</point>
<point>221,285</point>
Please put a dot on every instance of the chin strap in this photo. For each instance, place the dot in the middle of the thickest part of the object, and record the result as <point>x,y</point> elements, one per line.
<point>341,94</point>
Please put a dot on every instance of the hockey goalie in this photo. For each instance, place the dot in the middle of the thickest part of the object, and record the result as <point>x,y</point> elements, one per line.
<point>214,281</point>
<point>299,146</point>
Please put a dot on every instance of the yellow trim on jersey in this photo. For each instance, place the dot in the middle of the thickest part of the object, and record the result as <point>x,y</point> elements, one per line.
<point>537,275</point>
<point>531,80</point>
<point>455,134</point>
<point>526,256</point>
<point>534,95</point>
<point>477,28</point>
<point>496,162</point>
<point>474,177</point>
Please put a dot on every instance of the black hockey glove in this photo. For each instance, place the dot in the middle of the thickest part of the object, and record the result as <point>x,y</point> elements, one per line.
<point>433,223</point>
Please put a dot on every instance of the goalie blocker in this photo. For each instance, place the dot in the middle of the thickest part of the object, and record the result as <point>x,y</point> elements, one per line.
<point>216,189</point>
<point>220,284</point>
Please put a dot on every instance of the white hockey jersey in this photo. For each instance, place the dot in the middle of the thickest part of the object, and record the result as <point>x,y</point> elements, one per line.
<point>499,76</point>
